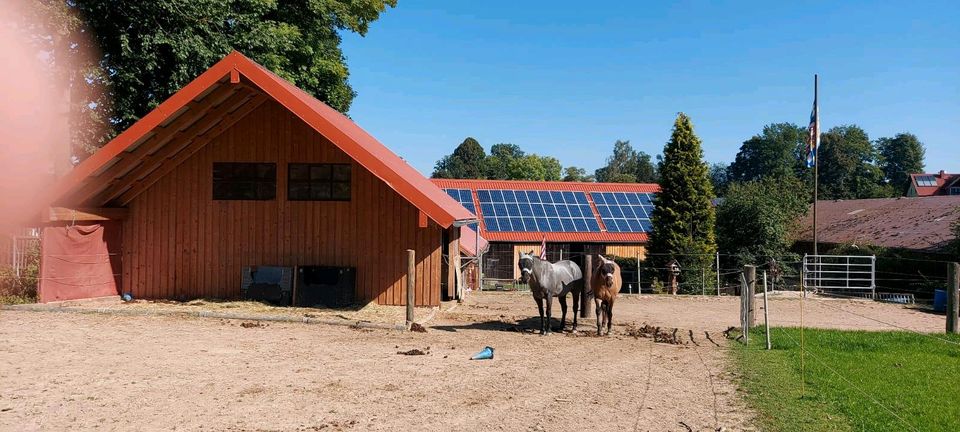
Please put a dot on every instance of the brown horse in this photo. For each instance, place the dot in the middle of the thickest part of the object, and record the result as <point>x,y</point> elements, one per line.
<point>606,283</point>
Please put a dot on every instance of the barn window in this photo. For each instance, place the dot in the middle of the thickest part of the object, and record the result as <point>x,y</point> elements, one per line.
<point>244,181</point>
<point>318,182</point>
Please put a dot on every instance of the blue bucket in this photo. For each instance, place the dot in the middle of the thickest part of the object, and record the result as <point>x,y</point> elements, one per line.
<point>939,301</point>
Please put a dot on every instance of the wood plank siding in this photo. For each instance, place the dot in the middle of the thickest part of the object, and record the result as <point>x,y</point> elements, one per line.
<point>180,243</point>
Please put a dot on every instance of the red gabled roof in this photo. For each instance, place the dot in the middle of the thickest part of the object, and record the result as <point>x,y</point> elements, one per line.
<point>944,182</point>
<point>334,126</point>
<point>555,237</point>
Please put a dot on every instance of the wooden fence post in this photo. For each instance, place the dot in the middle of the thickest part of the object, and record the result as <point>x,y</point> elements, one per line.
<point>953,298</point>
<point>411,284</point>
<point>750,273</point>
<point>586,296</point>
<point>766,309</point>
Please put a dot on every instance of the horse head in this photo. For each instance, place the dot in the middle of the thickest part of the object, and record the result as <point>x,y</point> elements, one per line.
<point>525,262</point>
<point>606,269</point>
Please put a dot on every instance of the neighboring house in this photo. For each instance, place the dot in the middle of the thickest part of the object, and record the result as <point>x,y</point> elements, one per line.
<point>922,185</point>
<point>919,224</point>
<point>241,168</point>
<point>576,219</point>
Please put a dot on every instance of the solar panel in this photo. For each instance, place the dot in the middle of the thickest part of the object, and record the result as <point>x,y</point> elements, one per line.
<point>926,180</point>
<point>464,197</point>
<point>536,211</point>
<point>624,211</point>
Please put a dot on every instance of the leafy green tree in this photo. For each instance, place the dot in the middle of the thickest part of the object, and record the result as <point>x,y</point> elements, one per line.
<point>627,165</point>
<point>847,165</point>
<point>775,152</point>
<point>150,49</point>
<point>502,156</point>
<point>683,219</point>
<point>576,174</point>
<point>899,157</point>
<point>720,178</point>
<point>756,218</point>
<point>466,162</point>
<point>551,168</point>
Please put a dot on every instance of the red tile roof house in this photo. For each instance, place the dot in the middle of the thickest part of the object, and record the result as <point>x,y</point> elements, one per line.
<point>575,218</point>
<point>934,184</point>
<point>241,168</point>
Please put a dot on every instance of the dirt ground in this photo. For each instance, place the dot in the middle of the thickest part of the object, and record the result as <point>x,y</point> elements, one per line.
<point>66,371</point>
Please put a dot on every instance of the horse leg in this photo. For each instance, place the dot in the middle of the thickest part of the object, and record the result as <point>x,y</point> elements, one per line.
<point>549,301</point>
<point>576,309</point>
<point>609,316</point>
<point>598,303</point>
<point>563,311</point>
<point>540,307</point>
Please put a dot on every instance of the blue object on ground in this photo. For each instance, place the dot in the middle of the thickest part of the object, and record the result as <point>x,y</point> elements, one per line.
<point>486,354</point>
<point>127,297</point>
<point>939,301</point>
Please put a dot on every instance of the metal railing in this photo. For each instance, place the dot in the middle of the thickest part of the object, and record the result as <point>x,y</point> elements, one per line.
<point>840,273</point>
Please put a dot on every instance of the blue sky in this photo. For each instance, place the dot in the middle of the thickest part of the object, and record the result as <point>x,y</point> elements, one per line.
<point>565,79</point>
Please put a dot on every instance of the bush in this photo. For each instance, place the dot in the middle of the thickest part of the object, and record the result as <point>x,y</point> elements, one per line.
<point>24,288</point>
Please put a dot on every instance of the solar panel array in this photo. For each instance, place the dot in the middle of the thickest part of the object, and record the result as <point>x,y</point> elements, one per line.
<point>464,197</point>
<point>624,211</point>
<point>926,180</point>
<point>536,211</point>
<point>505,210</point>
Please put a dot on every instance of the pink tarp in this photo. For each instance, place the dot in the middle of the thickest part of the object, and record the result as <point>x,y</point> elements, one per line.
<point>76,262</point>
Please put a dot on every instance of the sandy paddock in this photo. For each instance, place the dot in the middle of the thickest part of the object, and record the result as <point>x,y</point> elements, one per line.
<point>61,371</point>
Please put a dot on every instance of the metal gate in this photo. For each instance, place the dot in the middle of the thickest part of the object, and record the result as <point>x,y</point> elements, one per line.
<point>841,274</point>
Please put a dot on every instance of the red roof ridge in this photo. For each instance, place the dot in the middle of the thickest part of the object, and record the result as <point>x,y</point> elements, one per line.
<point>333,125</point>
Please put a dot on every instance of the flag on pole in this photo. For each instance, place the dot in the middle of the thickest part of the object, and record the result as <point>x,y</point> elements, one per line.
<point>543,248</point>
<point>813,140</point>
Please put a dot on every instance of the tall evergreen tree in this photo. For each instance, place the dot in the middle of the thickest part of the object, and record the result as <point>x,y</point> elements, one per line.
<point>467,161</point>
<point>683,219</point>
<point>900,156</point>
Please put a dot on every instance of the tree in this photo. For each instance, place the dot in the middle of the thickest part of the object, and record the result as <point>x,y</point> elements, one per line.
<point>502,156</point>
<point>551,168</point>
<point>466,162</point>
<point>756,218</point>
<point>150,49</point>
<point>627,165</point>
<point>576,174</point>
<point>846,165</point>
<point>719,178</point>
<point>683,219</point>
<point>775,152</point>
<point>899,157</point>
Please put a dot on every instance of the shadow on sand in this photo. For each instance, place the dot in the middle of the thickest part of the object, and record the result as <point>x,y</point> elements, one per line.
<point>529,325</point>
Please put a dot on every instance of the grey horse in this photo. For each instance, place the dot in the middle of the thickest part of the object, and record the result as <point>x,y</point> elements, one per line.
<point>548,280</point>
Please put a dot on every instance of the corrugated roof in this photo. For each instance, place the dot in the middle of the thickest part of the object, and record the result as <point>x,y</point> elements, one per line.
<point>920,223</point>
<point>95,174</point>
<point>555,237</point>
<point>469,241</point>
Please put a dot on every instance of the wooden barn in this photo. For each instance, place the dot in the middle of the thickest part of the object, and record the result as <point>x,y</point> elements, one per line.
<point>241,169</point>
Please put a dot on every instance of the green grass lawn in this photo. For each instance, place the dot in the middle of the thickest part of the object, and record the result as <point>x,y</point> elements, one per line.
<point>855,381</point>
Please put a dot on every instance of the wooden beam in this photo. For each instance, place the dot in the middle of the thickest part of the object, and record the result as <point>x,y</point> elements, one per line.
<point>63,214</point>
<point>141,185</point>
<point>120,170</point>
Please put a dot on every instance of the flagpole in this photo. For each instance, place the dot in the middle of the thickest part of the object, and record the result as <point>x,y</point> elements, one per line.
<point>816,162</point>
